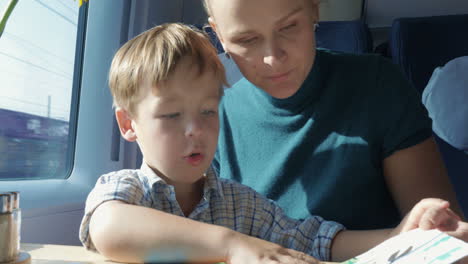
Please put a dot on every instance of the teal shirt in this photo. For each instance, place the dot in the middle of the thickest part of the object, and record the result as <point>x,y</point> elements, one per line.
<point>320,151</point>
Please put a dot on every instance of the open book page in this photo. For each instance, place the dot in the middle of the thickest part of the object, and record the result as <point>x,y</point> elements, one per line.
<point>416,246</point>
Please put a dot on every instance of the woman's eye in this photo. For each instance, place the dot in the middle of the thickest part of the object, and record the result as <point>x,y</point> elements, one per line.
<point>247,41</point>
<point>288,27</point>
<point>170,116</point>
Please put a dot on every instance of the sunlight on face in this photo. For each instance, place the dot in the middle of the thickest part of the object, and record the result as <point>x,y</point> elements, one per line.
<point>272,41</point>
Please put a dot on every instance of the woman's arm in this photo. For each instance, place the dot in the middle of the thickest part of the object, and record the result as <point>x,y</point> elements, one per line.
<point>348,244</point>
<point>131,233</point>
<point>416,173</point>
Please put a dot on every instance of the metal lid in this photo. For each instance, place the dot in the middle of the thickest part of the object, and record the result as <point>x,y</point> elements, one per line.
<point>6,205</point>
<point>15,196</point>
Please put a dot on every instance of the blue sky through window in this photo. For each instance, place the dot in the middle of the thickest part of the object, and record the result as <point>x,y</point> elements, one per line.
<point>37,52</point>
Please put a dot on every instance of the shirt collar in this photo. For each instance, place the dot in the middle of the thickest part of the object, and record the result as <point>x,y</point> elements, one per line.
<point>212,183</point>
<point>152,177</point>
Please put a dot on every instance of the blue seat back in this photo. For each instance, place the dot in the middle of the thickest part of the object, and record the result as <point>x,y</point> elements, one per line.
<point>419,45</point>
<point>456,162</point>
<point>345,36</point>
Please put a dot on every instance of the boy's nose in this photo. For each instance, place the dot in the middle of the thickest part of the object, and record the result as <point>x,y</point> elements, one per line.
<point>194,128</point>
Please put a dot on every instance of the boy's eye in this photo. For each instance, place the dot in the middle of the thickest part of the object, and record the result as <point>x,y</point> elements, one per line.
<point>170,116</point>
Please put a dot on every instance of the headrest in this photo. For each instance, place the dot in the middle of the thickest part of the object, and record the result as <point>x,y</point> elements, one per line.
<point>446,99</point>
<point>346,36</point>
<point>421,44</point>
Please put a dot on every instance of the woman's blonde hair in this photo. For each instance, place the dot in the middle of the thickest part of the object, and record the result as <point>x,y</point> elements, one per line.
<point>206,5</point>
<point>154,55</point>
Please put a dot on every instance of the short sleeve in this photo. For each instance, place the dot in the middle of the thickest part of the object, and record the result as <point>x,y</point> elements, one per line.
<point>122,186</point>
<point>405,121</point>
<point>313,235</point>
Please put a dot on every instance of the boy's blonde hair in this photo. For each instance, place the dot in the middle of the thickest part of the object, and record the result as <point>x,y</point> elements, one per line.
<point>154,55</point>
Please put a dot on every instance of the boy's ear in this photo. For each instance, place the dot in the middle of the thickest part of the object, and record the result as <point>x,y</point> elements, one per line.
<point>125,125</point>
<point>213,26</point>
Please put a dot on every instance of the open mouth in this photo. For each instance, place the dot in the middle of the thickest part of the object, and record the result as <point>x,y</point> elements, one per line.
<point>194,158</point>
<point>193,155</point>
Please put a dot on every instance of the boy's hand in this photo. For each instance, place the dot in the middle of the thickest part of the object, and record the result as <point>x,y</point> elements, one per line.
<point>245,249</point>
<point>434,213</point>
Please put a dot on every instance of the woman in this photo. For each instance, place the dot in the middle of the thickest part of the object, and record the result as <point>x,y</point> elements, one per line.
<point>338,135</point>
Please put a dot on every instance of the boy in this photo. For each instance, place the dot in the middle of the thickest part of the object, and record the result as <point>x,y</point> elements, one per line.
<point>166,84</point>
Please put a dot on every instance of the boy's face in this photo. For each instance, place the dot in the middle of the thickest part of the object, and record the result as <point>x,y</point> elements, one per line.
<point>177,126</point>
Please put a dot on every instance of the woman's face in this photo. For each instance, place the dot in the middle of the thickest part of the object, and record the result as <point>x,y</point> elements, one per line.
<point>272,41</point>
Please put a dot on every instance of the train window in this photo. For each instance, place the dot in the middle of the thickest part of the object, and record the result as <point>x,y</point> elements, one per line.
<point>40,65</point>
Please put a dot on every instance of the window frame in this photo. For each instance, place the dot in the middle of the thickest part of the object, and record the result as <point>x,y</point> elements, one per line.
<point>76,87</point>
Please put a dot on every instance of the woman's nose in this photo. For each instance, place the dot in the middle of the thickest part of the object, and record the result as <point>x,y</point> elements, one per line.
<point>274,56</point>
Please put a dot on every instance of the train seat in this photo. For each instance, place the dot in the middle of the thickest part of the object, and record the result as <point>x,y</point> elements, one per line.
<point>446,97</point>
<point>419,45</point>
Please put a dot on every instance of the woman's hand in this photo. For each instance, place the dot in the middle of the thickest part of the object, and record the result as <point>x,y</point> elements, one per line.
<point>245,249</point>
<point>460,232</point>
<point>434,213</point>
<point>462,261</point>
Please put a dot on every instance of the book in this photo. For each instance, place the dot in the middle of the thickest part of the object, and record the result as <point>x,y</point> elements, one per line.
<point>415,247</point>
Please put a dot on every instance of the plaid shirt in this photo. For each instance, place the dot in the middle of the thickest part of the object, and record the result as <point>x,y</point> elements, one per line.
<point>225,203</point>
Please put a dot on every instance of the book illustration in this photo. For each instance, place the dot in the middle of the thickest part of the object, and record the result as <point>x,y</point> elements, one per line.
<point>416,246</point>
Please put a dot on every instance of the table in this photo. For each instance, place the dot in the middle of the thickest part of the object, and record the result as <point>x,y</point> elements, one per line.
<point>59,254</point>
